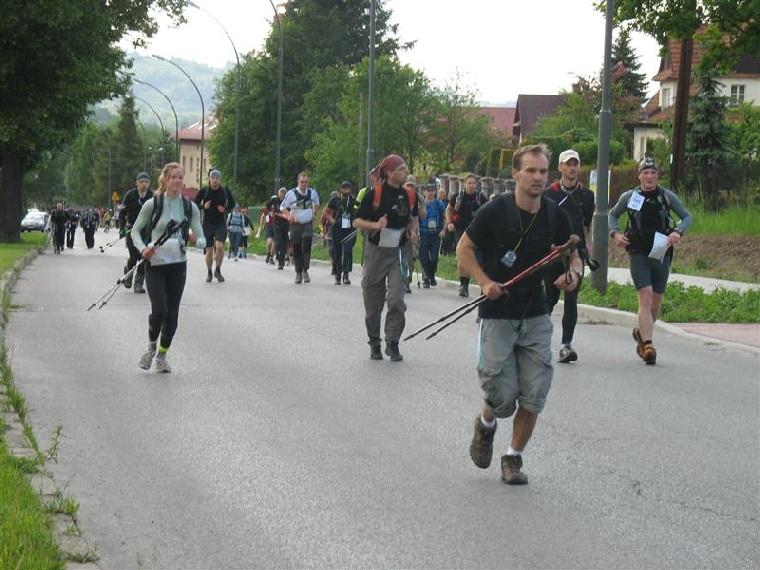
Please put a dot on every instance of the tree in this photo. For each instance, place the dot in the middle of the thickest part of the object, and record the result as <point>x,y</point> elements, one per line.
<point>732,29</point>
<point>631,82</point>
<point>746,136</point>
<point>317,36</point>
<point>128,148</point>
<point>403,104</point>
<point>44,180</point>
<point>47,85</point>
<point>459,128</point>
<point>707,143</point>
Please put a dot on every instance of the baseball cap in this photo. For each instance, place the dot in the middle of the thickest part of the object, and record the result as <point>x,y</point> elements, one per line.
<point>566,155</point>
<point>143,176</point>
<point>411,180</point>
<point>648,164</point>
<point>346,184</point>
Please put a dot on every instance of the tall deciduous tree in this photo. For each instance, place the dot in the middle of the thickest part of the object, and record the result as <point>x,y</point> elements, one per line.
<point>58,58</point>
<point>317,35</point>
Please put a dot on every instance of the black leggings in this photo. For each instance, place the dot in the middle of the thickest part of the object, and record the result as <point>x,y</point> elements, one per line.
<point>165,286</point>
<point>570,315</point>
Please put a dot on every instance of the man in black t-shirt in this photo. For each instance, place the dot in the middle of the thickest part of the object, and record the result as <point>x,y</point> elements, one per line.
<point>340,211</point>
<point>387,213</point>
<point>133,203</point>
<point>509,234</point>
<point>214,201</point>
<point>281,227</point>
<point>578,203</point>
<point>459,215</point>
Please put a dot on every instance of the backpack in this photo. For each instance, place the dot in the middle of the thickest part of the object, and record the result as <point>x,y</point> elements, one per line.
<point>642,228</point>
<point>158,209</point>
<point>411,195</point>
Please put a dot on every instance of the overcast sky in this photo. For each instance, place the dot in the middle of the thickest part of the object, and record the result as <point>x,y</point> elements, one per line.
<point>502,47</point>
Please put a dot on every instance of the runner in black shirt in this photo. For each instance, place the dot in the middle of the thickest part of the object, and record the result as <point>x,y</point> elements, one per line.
<point>460,213</point>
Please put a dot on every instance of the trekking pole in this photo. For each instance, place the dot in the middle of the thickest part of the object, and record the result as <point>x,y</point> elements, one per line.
<point>171,228</point>
<point>556,253</point>
<point>112,243</point>
<point>350,236</point>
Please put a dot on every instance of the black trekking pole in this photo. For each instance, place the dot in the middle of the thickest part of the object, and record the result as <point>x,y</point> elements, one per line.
<point>171,228</point>
<point>111,243</point>
<point>560,251</point>
<point>350,236</point>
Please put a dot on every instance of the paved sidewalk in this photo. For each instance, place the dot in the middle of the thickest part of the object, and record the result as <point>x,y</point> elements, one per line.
<point>743,334</point>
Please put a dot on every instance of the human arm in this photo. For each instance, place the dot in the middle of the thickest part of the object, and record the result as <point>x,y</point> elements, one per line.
<point>613,219</point>
<point>468,263</point>
<point>196,235</point>
<point>142,222</point>
<point>683,214</point>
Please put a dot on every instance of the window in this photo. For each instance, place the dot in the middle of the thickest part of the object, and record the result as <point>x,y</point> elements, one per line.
<point>665,101</point>
<point>737,95</point>
<point>183,162</point>
<point>191,164</point>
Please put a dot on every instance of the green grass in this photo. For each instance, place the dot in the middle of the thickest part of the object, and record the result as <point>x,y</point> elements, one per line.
<point>682,304</point>
<point>733,220</point>
<point>10,253</point>
<point>26,539</point>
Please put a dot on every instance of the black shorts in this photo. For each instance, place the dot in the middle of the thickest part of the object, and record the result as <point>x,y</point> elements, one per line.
<point>215,232</point>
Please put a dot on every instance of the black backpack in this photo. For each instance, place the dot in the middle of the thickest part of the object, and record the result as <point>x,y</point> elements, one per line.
<point>158,209</point>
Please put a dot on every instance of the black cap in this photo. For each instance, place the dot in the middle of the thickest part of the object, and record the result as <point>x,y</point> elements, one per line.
<point>648,164</point>
<point>346,184</point>
<point>143,176</point>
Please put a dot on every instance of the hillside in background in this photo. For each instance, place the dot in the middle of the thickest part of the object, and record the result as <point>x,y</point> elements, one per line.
<point>176,86</point>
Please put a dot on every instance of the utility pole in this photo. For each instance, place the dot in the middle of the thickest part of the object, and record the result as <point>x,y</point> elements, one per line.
<point>600,224</point>
<point>370,93</point>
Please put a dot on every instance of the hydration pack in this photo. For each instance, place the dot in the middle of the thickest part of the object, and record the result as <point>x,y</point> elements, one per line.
<point>158,209</point>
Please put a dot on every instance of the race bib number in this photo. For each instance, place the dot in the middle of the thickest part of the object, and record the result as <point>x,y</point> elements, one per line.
<point>345,222</point>
<point>636,201</point>
<point>432,224</point>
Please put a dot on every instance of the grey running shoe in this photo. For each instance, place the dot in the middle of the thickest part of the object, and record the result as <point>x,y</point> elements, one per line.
<point>147,359</point>
<point>511,474</point>
<point>306,278</point>
<point>567,354</point>
<point>391,349</point>
<point>162,365</point>
<point>481,447</point>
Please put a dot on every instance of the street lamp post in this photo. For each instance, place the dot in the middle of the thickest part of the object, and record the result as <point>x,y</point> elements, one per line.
<point>370,90</point>
<point>203,114</point>
<point>160,122</point>
<point>277,177</point>
<point>176,121</point>
<point>238,89</point>
<point>600,224</point>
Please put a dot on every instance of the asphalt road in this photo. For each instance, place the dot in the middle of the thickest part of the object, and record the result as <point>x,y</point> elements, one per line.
<point>276,442</point>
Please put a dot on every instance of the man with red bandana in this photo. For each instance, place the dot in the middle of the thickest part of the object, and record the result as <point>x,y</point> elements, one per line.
<point>387,213</point>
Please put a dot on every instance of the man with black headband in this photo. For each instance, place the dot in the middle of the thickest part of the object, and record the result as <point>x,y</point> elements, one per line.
<point>649,239</point>
<point>387,213</point>
<point>133,203</point>
<point>214,201</point>
<point>508,235</point>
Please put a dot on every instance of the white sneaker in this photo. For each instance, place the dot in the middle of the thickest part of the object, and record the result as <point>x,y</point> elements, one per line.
<point>162,365</point>
<point>146,360</point>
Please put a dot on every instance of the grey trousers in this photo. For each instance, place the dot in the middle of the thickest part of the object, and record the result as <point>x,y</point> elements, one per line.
<point>381,264</point>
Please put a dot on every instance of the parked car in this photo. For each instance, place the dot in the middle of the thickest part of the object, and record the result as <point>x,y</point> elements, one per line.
<point>34,221</point>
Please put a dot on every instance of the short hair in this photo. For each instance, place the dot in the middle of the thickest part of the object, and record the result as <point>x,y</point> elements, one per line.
<point>303,173</point>
<point>530,149</point>
<point>470,175</point>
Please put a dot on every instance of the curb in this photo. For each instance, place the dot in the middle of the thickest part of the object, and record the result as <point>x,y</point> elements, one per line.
<point>65,528</point>
<point>606,316</point>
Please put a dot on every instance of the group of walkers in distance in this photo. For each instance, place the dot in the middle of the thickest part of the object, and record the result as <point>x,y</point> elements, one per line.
<point>497,239</point>
<point>63,224</point>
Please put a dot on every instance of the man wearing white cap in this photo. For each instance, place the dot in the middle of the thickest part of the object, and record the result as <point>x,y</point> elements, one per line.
<point>578,203</point>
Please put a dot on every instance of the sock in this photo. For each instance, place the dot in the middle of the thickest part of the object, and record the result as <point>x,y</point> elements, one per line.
<point>162,349</point>
<point>485,424</point>
<point>152,346</point>
<point>511,451</point>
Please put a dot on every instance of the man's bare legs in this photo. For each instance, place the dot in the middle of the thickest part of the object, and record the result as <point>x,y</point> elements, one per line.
<point>522,426</point>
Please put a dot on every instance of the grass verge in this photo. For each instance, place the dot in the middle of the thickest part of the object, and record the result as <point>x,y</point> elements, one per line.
<point>681,305</point>
<point>10,253</point>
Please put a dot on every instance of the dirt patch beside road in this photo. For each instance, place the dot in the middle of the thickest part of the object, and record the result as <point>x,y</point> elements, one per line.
<point>736,258</point>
